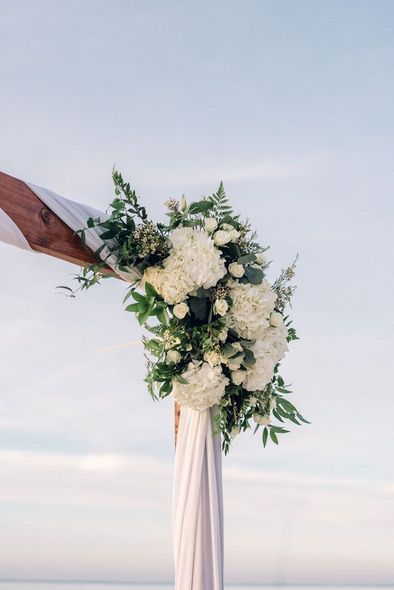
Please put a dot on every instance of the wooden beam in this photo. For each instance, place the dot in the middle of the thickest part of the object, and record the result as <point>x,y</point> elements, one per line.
<point>45,231</point>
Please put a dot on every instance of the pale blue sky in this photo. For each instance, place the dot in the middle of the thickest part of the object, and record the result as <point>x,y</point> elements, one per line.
<point>291,104</point>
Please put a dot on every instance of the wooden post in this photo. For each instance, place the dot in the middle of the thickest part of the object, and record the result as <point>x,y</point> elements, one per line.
<point>44,231</point>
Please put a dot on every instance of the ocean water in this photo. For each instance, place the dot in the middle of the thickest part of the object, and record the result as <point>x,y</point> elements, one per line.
<point>17,585</point>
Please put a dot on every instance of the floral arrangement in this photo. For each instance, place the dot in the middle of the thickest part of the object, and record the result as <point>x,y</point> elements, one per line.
<point>218,328</point>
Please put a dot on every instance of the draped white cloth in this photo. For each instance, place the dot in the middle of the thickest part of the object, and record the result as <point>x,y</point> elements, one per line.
<point>198,503</point>
<point>10,232</point>
<point>197,498</point>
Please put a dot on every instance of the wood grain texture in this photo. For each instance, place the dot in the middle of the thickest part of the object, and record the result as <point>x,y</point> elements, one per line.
<point>45,232</point>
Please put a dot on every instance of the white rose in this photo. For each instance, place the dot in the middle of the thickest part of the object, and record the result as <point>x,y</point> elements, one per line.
<point>180,310</point>
<point>234,235</point>
<point>221,237</point>
<point>205,387</point>
<point>220,306</point>
<point>173,357</point>
<point>213,358</point>
<point>210,224</point>
<point>262,420</point>
<point>238,376</point>
<point>276,319</point>
<point>237,270</point>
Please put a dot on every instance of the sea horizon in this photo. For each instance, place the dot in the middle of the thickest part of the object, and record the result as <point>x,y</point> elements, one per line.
<point>166,584</point>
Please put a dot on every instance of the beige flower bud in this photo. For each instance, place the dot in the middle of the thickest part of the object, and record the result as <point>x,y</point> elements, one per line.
<point>276,319</point>
<point>173,357</point>
<point>180,310</point>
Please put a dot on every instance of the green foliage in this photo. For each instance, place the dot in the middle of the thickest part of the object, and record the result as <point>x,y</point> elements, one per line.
<point>220,204</point>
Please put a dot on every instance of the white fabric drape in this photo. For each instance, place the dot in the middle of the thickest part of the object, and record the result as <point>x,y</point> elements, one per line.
<point>197,499</point>
<point>198,503</point>
<point>10,232</point>
<point>75,216</point>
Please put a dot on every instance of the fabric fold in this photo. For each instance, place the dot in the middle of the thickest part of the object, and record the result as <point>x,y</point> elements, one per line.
<point>10,232</point>
<point>198,503</point>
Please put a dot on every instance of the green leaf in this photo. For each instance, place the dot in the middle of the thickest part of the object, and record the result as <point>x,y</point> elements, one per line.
<point>200,207</point>
<point>246,258</point>
<point>109,234</point>
<point>151,291</point>
<point>254,275</point>
<point>273,436</point>
<point>249,359</point>
<point>265,436</point>
<point>64,287</point>
<point>138,297</point>
<point>127,296</point>
<point>133,307</point>
<point>181,379</point>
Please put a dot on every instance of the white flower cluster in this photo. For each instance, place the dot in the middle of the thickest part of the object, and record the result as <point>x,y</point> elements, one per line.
<point>193,262</point>
<point>268,351</point>
<point>252,306</point>
<point>205,386</point>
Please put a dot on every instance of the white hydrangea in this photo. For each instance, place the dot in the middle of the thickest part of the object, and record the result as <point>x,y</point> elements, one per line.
<point>268,352</point>
<point>204,389</point>
<point>193,262</point>
<point>251,309</point>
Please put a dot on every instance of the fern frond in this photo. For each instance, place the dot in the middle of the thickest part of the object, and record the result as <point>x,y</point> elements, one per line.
<point>221,204</point>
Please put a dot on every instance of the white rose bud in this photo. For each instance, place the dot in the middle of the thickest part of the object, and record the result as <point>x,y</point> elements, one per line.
<point>183,203</point>
<point>210,224</point>
<point>233,367</point>
<point>237,346</point>
<point>188,347</point>
<point>238,376</point>
<point>273,404</point>
<point>234,431</point>
<point>180,310</point>
<point>262,420</point>
<point>223,335</point>
<point>234,235</point>
<point>213,358</point>
<point>261,259</point>
<point>173,357</point>
<point>220,306</point>
<point>227,227</point>
<point>276,319</point>
<point>237,270</point>
<point>221,237</point>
